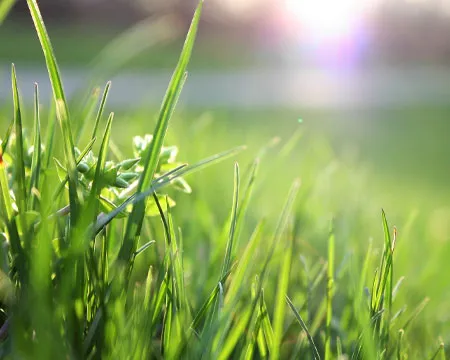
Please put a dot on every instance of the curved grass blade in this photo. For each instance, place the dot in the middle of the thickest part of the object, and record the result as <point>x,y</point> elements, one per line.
<point>234,211</point>
<point>8,133</point>
<point>316,354</point>
<point>5,7</point>
<point>36,160</point>
<point>85,113</point>
<point>5,200</point>
<point>228,336</point>
<point>330,291</point>
<point>97,182</point>
<point>20,166</point>
<point>247,194</point>
<point>100,109</point>
<point>50,135</point>
<point>62,109</point>
<point>266,325</point>
<point>280,306</point>
<point>134,223</point>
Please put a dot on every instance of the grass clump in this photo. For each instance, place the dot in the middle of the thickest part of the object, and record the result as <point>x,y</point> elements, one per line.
<point>73,231</point>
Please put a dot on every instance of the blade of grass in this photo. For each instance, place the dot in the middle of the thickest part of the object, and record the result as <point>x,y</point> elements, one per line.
<point>315,352</point>
<point>440,350</point>
<point>229,247</point>
<point>21,193</point>
<point>266,325</point>
<point>5,7</point>
<point>151,158</point>
<point>280,305</point>
<point>246,198</point>
<point>330,291</point>
<point>101,109</point>
<point>6,201</point>
<point>7,137</point>
<point>50,135</point>
<point>231,301</point>
<point>97,183</point>
<point>36,160</point>
<point>62,109</point>
<point>85,113</point>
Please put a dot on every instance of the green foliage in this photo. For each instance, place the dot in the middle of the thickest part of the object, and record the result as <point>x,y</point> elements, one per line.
<point>121,278</point>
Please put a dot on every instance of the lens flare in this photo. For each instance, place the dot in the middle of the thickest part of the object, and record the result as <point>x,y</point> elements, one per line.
<point>325,19</point>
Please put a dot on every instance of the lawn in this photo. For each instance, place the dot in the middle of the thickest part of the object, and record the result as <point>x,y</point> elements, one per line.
<point>281,250</point>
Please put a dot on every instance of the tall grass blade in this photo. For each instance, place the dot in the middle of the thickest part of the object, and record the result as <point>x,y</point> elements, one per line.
<point>151,158</point>
<point>440,350</point>
<point>62,109</point>
<point>86,114</point>
<point>7,209</point>
<point>7,137</point>
<point>229,247</point>
<point>97,183</point>
<point>36,159</point>
<point>280,305</point>
<point>315,352</point>
<point>21,193</point>
<point>50,136</point>
<point>5,7</point>
<point>101,109</point>
<point>330,291</point>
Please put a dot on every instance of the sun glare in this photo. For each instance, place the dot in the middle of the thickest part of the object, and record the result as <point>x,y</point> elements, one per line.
<point>325,19</point>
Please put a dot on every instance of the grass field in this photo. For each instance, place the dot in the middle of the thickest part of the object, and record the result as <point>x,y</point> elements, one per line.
<point>281,251</point>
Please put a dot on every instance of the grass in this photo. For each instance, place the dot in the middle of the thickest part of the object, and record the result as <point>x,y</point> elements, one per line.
<point>283,254</point>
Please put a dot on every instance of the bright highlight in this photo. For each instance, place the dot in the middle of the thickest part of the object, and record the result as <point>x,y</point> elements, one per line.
<point>325,19</point>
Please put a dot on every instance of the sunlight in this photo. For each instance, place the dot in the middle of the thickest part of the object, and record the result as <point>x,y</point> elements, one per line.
<point>325,19</point>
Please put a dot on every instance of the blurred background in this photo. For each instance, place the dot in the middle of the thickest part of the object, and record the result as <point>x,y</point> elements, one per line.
<point>371,78</point>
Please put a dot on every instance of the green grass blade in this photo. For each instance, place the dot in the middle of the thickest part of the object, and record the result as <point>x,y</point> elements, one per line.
<point>97,184</point>
<point>247,194</point>
<point>36,160</point>
<point>231,301</point>
<point>6,201</point>
<point>86,114</point>
<point>62,109</point>
<point>330,292</point>
<point>229,247</point>
<point>415,313</point>
<point>315,352</point>
<point>281,225</point>
<point>238,280</point>
<point>151,158</point>
<point>101,109</point>
<point>7,137</point>
<point>5,7</point>
<point>235,335</point>
<point>265,322</point>
<point>280,304</point>
<point>50,136</point>
<point>440,350</point>
<point>21,193</point>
